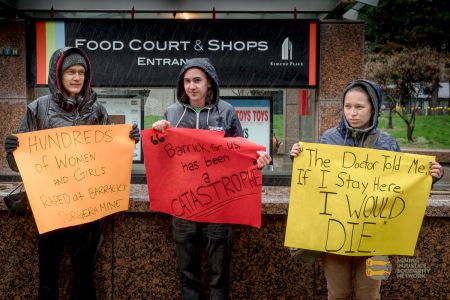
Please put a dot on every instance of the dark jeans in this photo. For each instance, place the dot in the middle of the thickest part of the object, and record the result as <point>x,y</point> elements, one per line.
<point>188,240</point>
<point>84,242</point>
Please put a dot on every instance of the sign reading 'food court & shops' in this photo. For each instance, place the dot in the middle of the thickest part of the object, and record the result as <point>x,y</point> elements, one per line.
<point>254,53</point>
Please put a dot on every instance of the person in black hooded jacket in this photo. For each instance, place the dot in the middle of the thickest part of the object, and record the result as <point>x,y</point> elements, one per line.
<point>71,102</point>
<point>200,107</point>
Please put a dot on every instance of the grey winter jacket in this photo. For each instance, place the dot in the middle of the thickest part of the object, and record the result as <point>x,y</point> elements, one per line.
<point>49,111</point>
<point>218,115</point>
<point>345,135</point>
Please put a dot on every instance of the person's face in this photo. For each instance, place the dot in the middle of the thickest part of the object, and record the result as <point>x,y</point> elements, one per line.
<point>357,109</point>
<point>73,80</point>
<point>196,86</point>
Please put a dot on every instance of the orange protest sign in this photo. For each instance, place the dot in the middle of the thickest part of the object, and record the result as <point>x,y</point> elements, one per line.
<point>201,176</point>
<point>75,175</point>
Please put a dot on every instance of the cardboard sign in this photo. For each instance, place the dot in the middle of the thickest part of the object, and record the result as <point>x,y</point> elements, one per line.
<point>75,175</point>
<point>201,176</point>
<point>357,201</point>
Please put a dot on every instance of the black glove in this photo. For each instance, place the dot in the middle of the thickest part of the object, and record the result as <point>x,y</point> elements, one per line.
<point>11,143</point>
<point>135,133</point>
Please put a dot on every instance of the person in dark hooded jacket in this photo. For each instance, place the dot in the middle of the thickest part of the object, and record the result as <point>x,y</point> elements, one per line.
<point>71,102</point>
<point>357,128</point>
<point>200,107</point>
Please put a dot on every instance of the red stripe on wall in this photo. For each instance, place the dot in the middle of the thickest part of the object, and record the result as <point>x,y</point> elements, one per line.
<point>41,72</point>
<point>312,53</point>
<point>302,102</point>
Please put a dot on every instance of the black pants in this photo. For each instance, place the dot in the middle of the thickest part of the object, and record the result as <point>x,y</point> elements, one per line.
<point>84,242</point>
<point>188,240</point>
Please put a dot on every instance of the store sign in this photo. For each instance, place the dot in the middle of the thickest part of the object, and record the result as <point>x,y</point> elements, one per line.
<point>278,53</point>
<point>255,115</point>
<point>125,111</point>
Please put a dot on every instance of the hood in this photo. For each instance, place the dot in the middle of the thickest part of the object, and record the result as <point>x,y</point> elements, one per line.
<point>206,65</point>
<point>54,74</point>
<point>375,96</point>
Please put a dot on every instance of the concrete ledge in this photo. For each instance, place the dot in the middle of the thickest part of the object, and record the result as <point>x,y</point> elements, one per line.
<point>137,259</point>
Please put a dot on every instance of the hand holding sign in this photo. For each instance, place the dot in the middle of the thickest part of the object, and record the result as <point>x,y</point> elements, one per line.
<point>201,176</point>
<point>161,125</point>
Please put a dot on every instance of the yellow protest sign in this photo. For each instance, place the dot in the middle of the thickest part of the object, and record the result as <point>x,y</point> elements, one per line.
<point>357,201</point>
<point>75,175</point>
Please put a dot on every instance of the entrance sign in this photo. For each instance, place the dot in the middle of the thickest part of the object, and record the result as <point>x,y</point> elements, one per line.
<point>201,176</point>
<point>269,53</point>
<point>75,175</point>
<point>357,201</point>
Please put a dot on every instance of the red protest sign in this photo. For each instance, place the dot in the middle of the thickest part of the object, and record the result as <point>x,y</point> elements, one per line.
<point>201,176</point>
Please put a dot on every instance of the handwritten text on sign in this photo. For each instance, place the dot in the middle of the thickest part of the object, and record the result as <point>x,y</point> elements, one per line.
<point>201,176</point>
<point>75,175</point>
<point>357,201</point>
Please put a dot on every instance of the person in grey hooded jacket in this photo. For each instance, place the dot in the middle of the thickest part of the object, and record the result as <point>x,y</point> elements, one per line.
<point>71,102</point>
<point>198,106</point>
<point>357,128</point>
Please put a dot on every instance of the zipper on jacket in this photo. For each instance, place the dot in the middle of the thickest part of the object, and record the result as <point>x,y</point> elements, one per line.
<point>197,114</point>
<point>197,122</point>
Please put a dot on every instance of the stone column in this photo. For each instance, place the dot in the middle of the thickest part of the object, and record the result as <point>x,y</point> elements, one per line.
<point>341,61</point>
<point>13,89</point>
